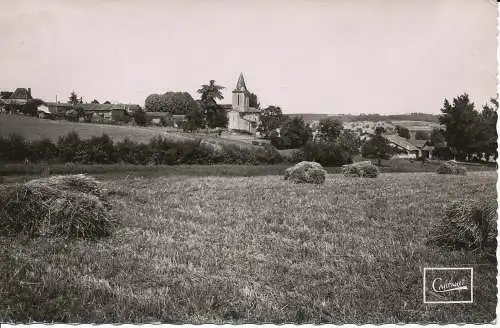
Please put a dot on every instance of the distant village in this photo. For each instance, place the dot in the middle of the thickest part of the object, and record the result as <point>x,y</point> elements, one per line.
<point>415,146</point>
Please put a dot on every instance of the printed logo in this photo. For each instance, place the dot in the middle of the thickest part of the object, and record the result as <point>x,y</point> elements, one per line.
<point>448,285</point>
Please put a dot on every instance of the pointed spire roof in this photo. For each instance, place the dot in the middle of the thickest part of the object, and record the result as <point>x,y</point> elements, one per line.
<point>240,86</point>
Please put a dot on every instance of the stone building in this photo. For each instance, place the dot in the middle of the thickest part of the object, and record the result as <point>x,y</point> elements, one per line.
<point>242,117</point>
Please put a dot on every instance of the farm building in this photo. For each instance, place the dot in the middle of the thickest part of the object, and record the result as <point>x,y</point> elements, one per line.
<point>403,146</point>
<point>95,112</point>
<point>104,112</point>
<point>19,97</point>
<point>157,118</point>
<point>44,112</point>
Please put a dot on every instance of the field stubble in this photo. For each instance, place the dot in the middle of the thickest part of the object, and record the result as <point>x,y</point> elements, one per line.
<point>253,249</point>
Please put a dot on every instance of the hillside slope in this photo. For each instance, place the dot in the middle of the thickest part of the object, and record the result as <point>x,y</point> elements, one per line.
<point>34,128</point>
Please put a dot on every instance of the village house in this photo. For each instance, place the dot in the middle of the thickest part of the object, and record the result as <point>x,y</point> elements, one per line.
<point>19,97</point>
<point>242,117</point>
<point>97,113</point>
<point>160,118</point>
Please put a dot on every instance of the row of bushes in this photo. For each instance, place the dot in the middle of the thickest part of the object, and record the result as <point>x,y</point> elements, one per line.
<point>102,150</point>
<point>324,153</point>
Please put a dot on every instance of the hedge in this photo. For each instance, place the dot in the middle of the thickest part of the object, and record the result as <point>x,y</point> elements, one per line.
<point>102,150</point>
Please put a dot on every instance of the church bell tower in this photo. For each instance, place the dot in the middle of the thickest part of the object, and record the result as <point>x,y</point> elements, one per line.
<point>241,99</point>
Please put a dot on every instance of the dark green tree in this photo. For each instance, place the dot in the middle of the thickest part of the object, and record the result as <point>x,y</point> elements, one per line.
<point>253,100</point>
<point>403,132</point>
<point>350,141</point>
<point>461,121</point>
<point>73,98</point>
<point>214,114</point>
<point>486,138</point>
<point>294,133</point>
<point>94,101</point>
<point>329,130</point>
<point>437,137</point>
<point>194,120</point>
<point>271,118</point>
<point>377,147</point>
<point>140,117</point>
<point>107,102</point>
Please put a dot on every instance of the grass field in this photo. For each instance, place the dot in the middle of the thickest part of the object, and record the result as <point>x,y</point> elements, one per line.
<point>21,172</point>
<point>34,128</point>
<point>253,249</point>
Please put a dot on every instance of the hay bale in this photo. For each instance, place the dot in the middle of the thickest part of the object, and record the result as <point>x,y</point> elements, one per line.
<point>306,172</point>
<point>360,169</point>
<point>469,224</point>
<point>451,167</point>
<point>61,206</point>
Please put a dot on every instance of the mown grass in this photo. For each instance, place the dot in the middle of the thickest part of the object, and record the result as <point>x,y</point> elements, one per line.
<point>253,249</point>
<point>35,129</point>
<point>20,172</point>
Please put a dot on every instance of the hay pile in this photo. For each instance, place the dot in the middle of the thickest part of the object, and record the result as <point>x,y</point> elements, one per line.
<point>360,169</point>
<point>72,206</point>
<point>451,167</point>
<point>306,172</point>
<point>469,224</point>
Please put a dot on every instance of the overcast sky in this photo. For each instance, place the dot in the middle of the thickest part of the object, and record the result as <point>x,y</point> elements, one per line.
<point>356,56</point>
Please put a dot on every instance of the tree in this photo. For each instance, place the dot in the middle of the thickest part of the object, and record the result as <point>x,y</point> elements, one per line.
<point>175,103</point>
<point>437,137</point>
<point>253,100</point>
<point>140,117</point>
<point>214,114</point>
<point>194,120</point>
<point>330,129</point>
<point>31,107</point>
<point>486,139</point>
<point>377,147</point>
<point>421,135</point>
<point>461,121</point>
<point>271,118</point>
<point>294,133</point>
<point>403,132</point>
<point>73,98</point>
<point>94,101</point>
<point>153,103</point>
<point>211,92</point>
<point>350,141</point>
<point>107,102</point>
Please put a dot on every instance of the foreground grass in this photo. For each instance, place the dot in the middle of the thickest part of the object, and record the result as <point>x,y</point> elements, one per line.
<point>253,249</point>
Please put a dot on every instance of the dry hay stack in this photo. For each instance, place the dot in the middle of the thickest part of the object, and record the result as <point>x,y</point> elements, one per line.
<point>306,172</point>
<point>360,169</point>
<point>72,206</point>
<point>468,224</point>
<point>451,167</point>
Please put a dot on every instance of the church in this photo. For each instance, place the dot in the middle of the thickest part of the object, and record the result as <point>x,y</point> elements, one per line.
<point>242,117</point>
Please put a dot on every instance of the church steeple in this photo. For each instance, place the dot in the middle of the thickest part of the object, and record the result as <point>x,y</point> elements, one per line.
<point>241,100</point>
<point>240,85</point>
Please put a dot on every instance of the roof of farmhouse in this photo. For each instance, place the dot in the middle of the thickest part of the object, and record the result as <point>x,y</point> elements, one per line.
<point>402,142</point>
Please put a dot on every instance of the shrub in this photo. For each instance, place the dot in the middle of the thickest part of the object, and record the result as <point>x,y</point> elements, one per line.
<point>326,153</point>
<point>60,206</point>
<point>306,172</point>
<point>68,147</point>
<point>14,149</point>
<point>97,150</point>
<point>467,224</point>
<point>131,152</point>
<point>140,118</point>
<point>451,168</point>
<point>43,150</point>
<point>361,169</point>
